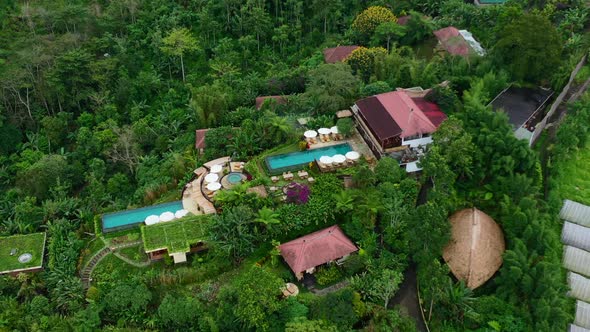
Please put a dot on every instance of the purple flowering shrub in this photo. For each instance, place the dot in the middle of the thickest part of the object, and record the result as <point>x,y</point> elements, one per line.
<point>297,193</point>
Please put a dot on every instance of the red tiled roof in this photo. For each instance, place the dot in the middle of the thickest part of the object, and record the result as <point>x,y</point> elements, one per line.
<point>431,110</point>
<point>316,249</point>
<point>452,41</point>
<point>395,113</point>
<point>280,100</point>
<point>338,54</point>
<point>200,138</point>
<point>402,20</point>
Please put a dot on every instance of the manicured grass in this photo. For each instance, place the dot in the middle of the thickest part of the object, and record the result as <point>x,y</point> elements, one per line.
<point>175,236</point>
<point>33,244</point>
<point>573,179</point>
<point>135,253</point>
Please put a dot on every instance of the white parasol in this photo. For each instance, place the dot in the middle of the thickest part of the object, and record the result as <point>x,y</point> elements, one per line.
<point>310,134</point>
<point>180,213</point>
<point>153,219</point>
<point>216,168</point>
<point>211,177</point>
<point>334,130</point>
<point>214,186</point>
<point>167,216</point>
<point>324,131</point>
<point>325,160</point>
<point>339,158</point>
<point>352,155</point>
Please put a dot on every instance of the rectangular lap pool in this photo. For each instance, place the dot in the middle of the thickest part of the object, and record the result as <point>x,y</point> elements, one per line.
<point>127,219</point>
<point>292,161</point>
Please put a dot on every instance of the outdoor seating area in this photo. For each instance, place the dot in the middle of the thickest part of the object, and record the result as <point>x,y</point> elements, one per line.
<point>331,163</point>
<point>324,135</point>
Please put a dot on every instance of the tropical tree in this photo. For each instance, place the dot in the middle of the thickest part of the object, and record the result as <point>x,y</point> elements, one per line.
<point>388,32</point>
<point>178,43</point>
<point>362,60</point>
<point>344,202</point>
<point>368,20</point>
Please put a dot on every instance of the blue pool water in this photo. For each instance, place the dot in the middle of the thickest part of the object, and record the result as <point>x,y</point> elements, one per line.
<point>121,219</point>
<point>234,178</point>
<point>305,157</point>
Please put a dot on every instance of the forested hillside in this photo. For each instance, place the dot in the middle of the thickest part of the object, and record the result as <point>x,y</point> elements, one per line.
<point>100,100</point>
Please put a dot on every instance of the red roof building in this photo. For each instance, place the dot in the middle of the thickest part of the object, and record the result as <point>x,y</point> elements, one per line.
<point>279,100</point>
<point>200,139</point>
<point>338,54</point>
<point>458,42</point>
<point>307,252</point>
<point>393,119</point>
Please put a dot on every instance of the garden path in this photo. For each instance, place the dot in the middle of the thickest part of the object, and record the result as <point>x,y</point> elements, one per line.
<point>131,262</point>
<point>87,270</point>
<point>331,289</point>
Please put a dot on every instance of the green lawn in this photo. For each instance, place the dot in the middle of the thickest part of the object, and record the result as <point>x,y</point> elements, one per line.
<point>573,180</point>
<point>33,244</point>
<point>91,248</point>
<point>134,253</point>
<point>176,236</point>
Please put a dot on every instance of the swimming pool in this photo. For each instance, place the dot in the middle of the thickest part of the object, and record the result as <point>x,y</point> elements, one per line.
<point>126,219</point>
<point>290,161</point>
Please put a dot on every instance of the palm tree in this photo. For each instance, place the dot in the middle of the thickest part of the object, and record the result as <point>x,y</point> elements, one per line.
<point>460,298</point>
<point>267,216</point>
<point>344,201</point>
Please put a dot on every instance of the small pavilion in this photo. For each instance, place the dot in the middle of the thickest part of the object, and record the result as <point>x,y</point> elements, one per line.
<point>304,254</point>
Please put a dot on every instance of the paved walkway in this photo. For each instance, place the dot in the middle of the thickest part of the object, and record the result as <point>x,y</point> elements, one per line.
<point>131,262</point>
<point>331,289</point>
<point>87,270</point>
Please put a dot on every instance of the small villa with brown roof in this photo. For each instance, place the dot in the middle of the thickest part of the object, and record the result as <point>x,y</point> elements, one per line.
<point>304,254</point>
<point>397,120</point>
<point>273,100</point>
<point>338,54</point>
<point>475,251</point>
<point>458,42</point>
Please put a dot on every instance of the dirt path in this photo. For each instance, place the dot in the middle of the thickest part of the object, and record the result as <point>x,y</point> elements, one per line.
<point>407,298</point>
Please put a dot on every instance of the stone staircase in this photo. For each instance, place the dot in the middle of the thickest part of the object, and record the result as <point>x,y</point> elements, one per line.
<point>87,270</point>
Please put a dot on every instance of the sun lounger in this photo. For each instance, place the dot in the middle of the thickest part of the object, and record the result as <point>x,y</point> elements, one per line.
<point>310,179</point>
<point>274,178</point>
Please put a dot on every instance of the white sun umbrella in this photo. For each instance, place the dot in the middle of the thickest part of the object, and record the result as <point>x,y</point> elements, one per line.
<point>310,134</point>
<point>339,158</point>
<point>325,160</point>
<point>167,216</point>
<point>352,155</point>
<point>153,219</point>
<point>216,168</point>
<point>214,186</point>
<point>334,130</point>
<point>180,213</point>
<point>211,177</point>
<point>324,131</point>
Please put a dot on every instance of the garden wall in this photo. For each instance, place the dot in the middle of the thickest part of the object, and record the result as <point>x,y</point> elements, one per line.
<point>541,125</point>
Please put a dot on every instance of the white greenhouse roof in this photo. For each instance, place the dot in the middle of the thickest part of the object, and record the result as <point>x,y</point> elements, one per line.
<point>575,212</point>
<point>576,328</point>
<point>475,45</point>
<point>576,260</point>
<point>582,314</point>
<point>576,236</point>
<point>579,286</point>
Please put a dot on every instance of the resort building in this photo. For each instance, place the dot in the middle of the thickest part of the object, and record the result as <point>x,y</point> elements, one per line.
<point>398,123</point>
<point>475,251</point>
<point>524,108</point>
<point>22,253</point>
<point>174,238</point>
<point>576,258</point>
<point>306,253</point>
<point>338,54</point>
<point>458,42</point>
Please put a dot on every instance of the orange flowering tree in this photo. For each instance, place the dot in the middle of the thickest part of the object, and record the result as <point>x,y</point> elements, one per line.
<point>362,60</point>
<point>368,20</point>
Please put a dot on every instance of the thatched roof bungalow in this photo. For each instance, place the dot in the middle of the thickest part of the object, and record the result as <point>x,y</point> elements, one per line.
<point>475,251</point>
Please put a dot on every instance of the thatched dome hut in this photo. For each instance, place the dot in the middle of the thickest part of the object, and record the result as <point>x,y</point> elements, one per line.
<point>475,251</point>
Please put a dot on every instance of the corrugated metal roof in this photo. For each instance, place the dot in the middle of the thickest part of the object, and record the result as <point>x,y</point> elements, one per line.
<point>575,212</point>
<point>582,314</point>
<point>576,260</point>
<point>576,235</point>
<point>579,286</point>
<point>576,328</point>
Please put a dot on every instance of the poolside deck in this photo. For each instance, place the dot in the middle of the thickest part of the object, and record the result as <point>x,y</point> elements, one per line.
<point>193,199</point>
